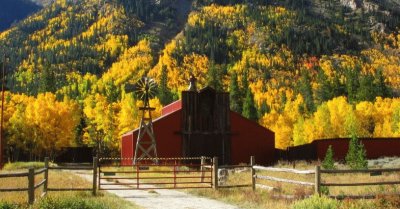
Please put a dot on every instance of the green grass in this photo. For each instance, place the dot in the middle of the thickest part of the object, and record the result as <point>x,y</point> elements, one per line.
<point>22,165</point>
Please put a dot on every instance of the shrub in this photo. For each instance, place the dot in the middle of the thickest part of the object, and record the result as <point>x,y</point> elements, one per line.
<point>5,205</point>
<point>356,157</point>
<point>316,202</point>
<point>70,203</point>
<point>329,162</point>
<point>23,165</point>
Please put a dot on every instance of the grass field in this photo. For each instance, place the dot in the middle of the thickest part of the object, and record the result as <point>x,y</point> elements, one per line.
<point>57,179</point>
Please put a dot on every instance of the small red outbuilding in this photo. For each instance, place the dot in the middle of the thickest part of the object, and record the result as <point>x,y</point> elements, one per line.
<point>201,124</point>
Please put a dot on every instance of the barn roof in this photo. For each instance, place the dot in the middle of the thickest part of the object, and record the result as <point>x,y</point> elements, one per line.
<point>176,107</point>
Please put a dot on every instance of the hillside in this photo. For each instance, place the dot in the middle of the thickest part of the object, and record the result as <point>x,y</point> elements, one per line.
<point>12,11</point>
<point>308,69</point>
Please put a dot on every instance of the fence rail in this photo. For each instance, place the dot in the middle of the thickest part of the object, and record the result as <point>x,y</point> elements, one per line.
<point>348,171</point>
<point>31,187</point>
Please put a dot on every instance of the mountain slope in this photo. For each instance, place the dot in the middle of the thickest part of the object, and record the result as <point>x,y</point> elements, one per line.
<point>12,11</point>
<point>311,68</point>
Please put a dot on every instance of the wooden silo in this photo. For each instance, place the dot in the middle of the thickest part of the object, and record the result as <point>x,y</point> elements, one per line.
<point>206,128</point>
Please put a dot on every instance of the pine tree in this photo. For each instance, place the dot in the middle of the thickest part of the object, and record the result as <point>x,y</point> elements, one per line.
<point>329,162</point>
<point>324,90</point>
<point>306,91</point>
<point>249,109</point>
<point>352,84</point>
<point>47,80</point>
<point>214,78</point>
<point>381,89</point>
<point>164,93</point>
<point>366,91</point>
<point>234,95</point>
<point>356,155</point>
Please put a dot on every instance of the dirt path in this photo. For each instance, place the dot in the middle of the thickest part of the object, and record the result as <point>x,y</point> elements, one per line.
<point>162,199</point>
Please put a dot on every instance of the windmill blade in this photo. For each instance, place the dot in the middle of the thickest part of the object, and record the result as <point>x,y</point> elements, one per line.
<point>145,89</point>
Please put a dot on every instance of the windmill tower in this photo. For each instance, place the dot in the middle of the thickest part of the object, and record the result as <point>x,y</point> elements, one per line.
<point>146,147</point>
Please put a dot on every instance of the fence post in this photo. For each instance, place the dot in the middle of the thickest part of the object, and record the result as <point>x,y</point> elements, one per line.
<point>31,186</point>
<point>215,174</point>
<point>202,168</point>
<point>46,175</point>
<point>94,190</point>
<point>317,180</point>
<point>253,172</point>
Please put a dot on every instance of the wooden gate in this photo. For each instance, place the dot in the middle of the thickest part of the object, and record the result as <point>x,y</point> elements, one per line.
<point>167,173</point>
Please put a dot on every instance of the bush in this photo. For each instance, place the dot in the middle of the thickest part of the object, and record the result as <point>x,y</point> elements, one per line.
<point>5,205</point>
<point>356,157</point>
<point>329,162</point>
<point>70,203</point>
<point>316,202</point>
<point>23,165</point>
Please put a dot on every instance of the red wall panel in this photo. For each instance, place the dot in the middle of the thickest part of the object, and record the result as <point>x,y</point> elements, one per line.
<point>169,143</point>
<point>249,138</point>
<point>375,147</point>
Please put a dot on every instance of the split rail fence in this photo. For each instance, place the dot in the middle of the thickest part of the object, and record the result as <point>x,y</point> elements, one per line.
<point>204,178</point>
<point>32,186</point>
<point>318,183</point>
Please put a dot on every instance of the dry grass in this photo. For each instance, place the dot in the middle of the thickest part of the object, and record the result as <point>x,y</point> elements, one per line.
<point>57,179</point>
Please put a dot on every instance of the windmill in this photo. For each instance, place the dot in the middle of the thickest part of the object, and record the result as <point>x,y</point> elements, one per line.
<point>145,89</point>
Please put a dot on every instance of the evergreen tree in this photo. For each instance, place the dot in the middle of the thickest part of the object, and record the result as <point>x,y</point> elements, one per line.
<point>329,162</point>
<point>249,109</point>
<point>324,90</point>
<point>356,155</point>
<point>47,80</point>
<point>352,84</point>
<point>381,89</point>
<point>164,93</point>
<point>306,91</point>
<point>214,77</point>
<point>366,91</point>
<point>234,94</point>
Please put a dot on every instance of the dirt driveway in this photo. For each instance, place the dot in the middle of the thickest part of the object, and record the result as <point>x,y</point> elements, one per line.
<point>164,198</point>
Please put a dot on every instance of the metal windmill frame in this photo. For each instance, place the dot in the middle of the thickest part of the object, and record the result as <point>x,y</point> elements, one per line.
<point>145,89</point>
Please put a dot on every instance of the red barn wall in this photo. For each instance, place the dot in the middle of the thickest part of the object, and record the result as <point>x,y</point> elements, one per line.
<point>375,147</point>
<point>249,138</point>
<point>169,142</point>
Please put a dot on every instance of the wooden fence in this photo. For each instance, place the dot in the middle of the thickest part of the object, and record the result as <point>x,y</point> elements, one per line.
<point>318,183</point>
<point>31,187</point>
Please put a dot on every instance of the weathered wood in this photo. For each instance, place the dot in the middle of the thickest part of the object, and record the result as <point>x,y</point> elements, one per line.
<point>317,184</point>
<point>40,171</point>
<point>69,189</point>
<point>46,174</point>
<point>71,168</point>
<point>287,170</point>
<point>253,172</point>
<point>361,170</point>
<point>13,189</point>
<point>362,183</point>
<point>235,186</point>
<point>202,163</point>
<point>31,186</point>
<point>94,187</point>
<point>215,172</point>
<point>40,183</point>
<point>284,180</point>
<point>235,166</point>
<point>9,175</point>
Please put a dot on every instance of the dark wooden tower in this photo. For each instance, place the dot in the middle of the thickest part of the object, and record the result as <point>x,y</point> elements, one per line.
<point>206,128</point>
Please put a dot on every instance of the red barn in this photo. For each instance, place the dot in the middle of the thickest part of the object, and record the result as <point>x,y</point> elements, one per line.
<point>201,124</point>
